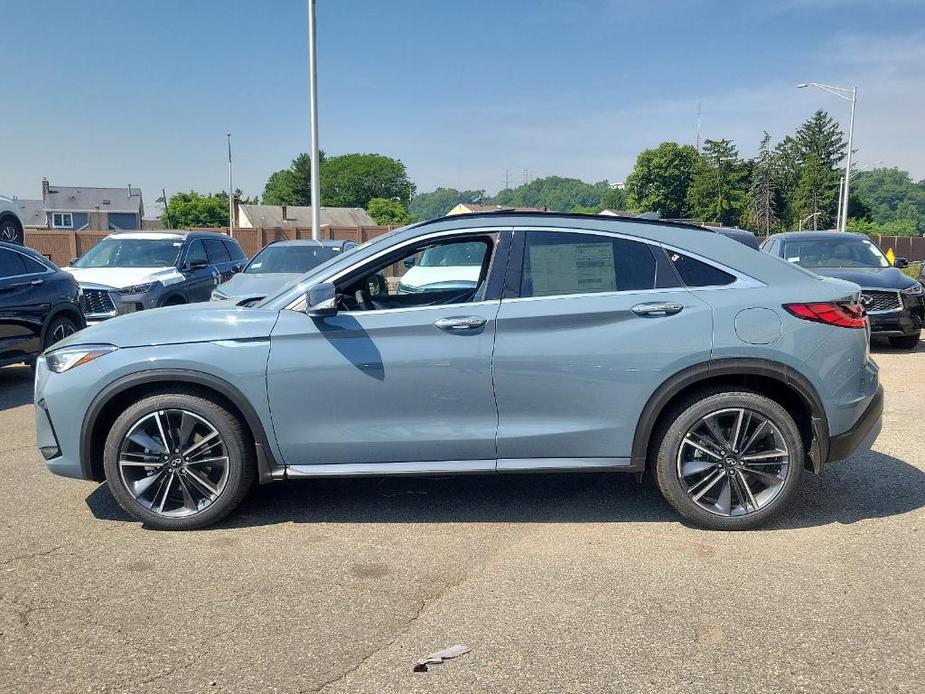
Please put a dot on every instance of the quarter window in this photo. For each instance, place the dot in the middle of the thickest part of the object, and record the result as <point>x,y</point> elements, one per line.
<point>695,273</point>
<point>62,220</point>
<point>557,263</point>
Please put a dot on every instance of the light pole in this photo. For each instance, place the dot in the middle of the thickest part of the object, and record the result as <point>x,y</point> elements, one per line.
<point>313,107</point>
<point>230,192</point>
<point>806,219</point>
<point>852,96</point>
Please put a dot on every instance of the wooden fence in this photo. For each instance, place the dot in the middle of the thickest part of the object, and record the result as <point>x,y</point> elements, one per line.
<point>62,246</point>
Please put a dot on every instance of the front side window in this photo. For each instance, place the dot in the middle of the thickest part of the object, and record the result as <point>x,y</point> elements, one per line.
<point>559,263</point>
<point>196,254</point>
<point>433,274</point>
<point>62,220</point>
<point>835,252</point>
<point>116,252</point>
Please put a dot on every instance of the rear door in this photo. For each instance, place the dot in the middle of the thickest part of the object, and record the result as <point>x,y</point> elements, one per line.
<point>24,302</point>
<point>591,324</point>
<point>220,259</point>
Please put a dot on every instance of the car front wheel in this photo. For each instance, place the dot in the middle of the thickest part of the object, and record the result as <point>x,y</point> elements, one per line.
<point>177,461</point>
<point>728,460</point>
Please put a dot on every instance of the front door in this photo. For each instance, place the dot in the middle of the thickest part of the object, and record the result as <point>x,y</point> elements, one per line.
<point>402,373</point>
<point>581,345</point>
<point>201,276</point>
<point>24,302</point>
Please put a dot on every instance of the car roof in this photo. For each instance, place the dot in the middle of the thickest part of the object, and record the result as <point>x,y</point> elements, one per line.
<point>540,218</point>
<point>171,234</point>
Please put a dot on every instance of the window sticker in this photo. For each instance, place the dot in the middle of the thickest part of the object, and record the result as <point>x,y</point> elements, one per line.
<point>572,268</point>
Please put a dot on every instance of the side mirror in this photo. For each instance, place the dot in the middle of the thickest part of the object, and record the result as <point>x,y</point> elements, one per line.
<point>321,300</point>
<point>73,260</point>
<point>408,262</point>
<point>237,268</point>
<point>901,263</point>
<point>197,265</point>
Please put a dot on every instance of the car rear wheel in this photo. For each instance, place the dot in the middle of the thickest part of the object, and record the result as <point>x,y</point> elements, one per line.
<point>10,231</point>
<point>60,327</point>
<point>177,461</point>
<point>728,460</point>
<point>905,342</point>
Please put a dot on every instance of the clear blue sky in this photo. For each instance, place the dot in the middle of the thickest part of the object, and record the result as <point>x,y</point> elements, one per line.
<point>110,92</point>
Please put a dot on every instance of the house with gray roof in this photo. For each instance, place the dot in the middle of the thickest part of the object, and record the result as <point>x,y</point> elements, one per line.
<point>83,207</point>
<point>279,216</point>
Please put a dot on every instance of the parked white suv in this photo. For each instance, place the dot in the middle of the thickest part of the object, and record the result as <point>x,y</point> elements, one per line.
<point>10,221</point>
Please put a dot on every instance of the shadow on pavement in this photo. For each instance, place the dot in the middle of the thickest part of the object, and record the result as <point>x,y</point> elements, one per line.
<point>16,384</point>
<point>880,345</point>
<point>873,486</point>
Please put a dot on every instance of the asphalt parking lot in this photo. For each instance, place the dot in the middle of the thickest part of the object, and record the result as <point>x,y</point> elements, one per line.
<point>559,583</point>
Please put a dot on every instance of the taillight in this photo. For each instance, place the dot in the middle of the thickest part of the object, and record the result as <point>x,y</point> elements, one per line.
<point>844,314</point>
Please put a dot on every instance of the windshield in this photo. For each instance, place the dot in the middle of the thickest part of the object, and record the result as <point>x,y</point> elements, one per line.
<point>454,255</point>
<point>113,252</point>
<point>288,259</point>
<point>836,252</point>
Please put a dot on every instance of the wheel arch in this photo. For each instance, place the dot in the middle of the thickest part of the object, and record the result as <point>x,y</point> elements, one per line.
<point>778,381</point>
<point>67,309</point>
<point>9,216</point>
<point>113,399</point>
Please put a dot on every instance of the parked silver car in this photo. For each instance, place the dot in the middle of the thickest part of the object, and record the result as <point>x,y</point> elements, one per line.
<point>585,343</point>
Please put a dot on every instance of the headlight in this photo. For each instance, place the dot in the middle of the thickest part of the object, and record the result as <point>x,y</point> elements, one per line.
<point>914,290</point>
<point>139,288</point>
<point>67,358</point>
<point>218,296</point>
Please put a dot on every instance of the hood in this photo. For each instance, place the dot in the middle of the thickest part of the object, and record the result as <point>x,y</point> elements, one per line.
<point>119,277</point>
<point>204,322</point>
<point>868,278</point>
<point>256,285</point>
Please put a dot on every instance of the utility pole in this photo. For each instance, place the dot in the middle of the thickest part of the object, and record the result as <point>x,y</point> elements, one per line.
<point>507,179</point>
<point>166,208</point>
<point>697,144</point>
<point>230,192</point>
<point>313,105</point>
<point>526,176</point>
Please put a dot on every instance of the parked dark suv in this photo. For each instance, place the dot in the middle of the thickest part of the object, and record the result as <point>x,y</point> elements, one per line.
<point>38,304</point>
<point>893,301</point>
<point>132,271</point>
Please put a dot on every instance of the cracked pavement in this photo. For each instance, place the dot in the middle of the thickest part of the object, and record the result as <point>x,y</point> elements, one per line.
<point>558,583</point>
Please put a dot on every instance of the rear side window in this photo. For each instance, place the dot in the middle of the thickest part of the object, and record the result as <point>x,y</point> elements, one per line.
<point>217,251</point>
<point>234,250</point>
<point>564,263</point>
<point>32,266</point>
<point>695,273</point>
<point>11,264</point>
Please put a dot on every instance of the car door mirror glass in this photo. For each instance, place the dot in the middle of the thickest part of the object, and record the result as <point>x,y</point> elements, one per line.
<point>901,263</point>
<point>321,300</point>
<point>408,262</point>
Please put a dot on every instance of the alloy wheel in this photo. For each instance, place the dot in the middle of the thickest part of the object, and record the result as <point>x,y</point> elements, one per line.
<point>733,462</point>
<point>9,233</point>
<point>61,331</point>
<point>174,463</point>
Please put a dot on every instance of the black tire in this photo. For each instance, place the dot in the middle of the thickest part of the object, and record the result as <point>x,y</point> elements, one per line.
<point>174,301</point>
<point>60,327</point>
<point>11,231</point>
<point>685,415</point>
<point>905,342</point>
<point>238,447</point>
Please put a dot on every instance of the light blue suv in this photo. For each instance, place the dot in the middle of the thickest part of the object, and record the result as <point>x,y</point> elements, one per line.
<point>585,343</point>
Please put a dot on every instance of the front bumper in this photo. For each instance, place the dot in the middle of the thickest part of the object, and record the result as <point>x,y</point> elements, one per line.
<point>902,322</point>
<point>117,303</point>
<point>862,435</point>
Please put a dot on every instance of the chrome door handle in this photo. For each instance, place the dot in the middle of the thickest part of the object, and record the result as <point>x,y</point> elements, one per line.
<point>36,283</point>
<point>657,309</point>
<point>459,323</point>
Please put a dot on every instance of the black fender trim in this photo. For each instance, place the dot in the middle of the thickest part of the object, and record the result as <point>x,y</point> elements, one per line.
<point>266,463</point>
<point>819,446</point>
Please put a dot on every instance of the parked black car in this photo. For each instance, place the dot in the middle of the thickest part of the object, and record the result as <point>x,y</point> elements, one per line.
<point>894,302</point>
<point>136,270</point>
<point>39,304</point>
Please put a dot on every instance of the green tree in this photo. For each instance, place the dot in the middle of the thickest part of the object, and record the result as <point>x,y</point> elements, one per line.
<point>387,212</point>
<point>438,202</point>
<point>814,196</point>
<point>352,180</point>
<point>292,186</point>
<point>660,179</point>
<point>821,148</point>
<point>192,209</point>
<point>787,157</point>
<point>762,193</point>
<point>889,195</point>
<point>614,199</point>
<point>718,187</point>
<point>554,193</point>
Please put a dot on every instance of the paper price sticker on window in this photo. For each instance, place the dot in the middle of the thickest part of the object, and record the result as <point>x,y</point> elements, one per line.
<point>572,268</point>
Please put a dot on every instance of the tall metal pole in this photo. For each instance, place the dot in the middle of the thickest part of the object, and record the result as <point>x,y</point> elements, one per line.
<point>230,192</point>
<point>313,104</point>
<point>844,215</point>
